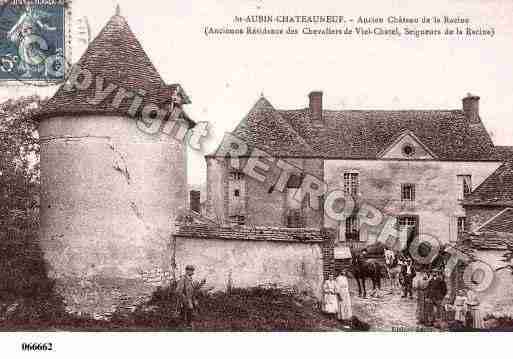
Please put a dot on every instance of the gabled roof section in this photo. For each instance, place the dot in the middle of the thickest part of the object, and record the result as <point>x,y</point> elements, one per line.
<point>446,135</point>
<point>117,57</point>
<point>496,190</point>
<point>265,129</point>
<point>502,222</point>
<point>395,150</point>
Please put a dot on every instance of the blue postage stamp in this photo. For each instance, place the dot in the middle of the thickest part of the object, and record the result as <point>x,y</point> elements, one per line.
<point>32,40</point>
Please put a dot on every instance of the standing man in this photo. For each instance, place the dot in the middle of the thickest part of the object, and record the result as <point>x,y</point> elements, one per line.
<point>437,289</point>
<point>185,295</point>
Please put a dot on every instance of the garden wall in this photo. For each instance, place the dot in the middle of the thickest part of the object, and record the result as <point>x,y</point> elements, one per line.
<point>246,257</point>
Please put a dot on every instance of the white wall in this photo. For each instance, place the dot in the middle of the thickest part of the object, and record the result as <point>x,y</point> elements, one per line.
<point>250,263</point>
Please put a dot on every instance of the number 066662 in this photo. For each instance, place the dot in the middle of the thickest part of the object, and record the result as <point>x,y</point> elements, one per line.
<point>37,346</point>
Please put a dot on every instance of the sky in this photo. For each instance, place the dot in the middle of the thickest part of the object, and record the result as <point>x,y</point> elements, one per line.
<point>225,76</point>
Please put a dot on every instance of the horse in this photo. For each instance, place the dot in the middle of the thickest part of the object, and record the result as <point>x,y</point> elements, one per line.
<point>363,269</point>
<point>393,269</point>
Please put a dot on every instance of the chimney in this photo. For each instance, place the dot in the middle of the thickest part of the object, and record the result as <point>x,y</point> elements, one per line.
<point>471,108</point>
<point>195,199</point>
<point>316,107</point>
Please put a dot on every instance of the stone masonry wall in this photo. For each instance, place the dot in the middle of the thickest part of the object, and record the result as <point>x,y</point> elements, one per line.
<point>264,206</point>
<point>437,190</point>
<point>108,195</point>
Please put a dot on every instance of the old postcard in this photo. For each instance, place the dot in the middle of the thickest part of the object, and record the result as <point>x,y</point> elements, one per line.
<point>255,166</point>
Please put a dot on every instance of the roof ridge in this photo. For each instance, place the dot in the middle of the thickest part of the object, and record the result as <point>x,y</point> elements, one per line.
<point>373,110</point>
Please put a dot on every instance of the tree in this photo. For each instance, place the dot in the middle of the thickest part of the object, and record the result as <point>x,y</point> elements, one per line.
<point>21,263</point>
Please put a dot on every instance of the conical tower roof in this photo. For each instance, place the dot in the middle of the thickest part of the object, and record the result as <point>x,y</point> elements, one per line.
<point>115,58</point>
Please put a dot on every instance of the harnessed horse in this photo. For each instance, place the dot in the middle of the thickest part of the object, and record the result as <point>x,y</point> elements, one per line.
<point>363,269</point>
<point>393,270</point>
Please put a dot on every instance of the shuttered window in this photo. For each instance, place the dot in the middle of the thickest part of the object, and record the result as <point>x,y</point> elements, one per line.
<point>351,184</point>
<point>407,192</point>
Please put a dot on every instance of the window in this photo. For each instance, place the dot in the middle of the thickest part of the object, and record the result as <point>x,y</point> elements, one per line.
<point>351,184</point>
<point>408,225</point>
<point>465,181</point>
<point>294,219</point>
<point>295,181</point>
<point>408,150</point>
<point>407,222</point>
<point>238,219</point>
<point>352,229</point>
<point>407,192</point>
<point>236,175</point>
<point>462,225</point>
<point>236,193</point>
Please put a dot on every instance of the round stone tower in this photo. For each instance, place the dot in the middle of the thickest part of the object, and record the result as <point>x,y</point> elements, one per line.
<point>113,175</point>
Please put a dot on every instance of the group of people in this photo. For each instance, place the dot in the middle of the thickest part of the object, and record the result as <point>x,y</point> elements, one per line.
<point>336,297</point>
<point>433,305</point>
<point>466,309</point>
<point>431,291</point>
<point>435,308</point>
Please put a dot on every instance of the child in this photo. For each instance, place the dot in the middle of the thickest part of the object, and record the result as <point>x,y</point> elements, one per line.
<point>475,312</point>
<point>460,307</point>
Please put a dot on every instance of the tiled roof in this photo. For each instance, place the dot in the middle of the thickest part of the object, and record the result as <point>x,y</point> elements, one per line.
<point>504,153</point>
<point>497,189</point>
<point>364,134</point>
<point>117,57</point>
<point>265,129</point>
<point>252,233</point>
<point>355,134</point>
<point>503,223</point>
<point>488,241</point>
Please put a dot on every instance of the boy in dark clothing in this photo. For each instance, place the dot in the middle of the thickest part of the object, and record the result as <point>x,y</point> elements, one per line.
<point>407,275</point>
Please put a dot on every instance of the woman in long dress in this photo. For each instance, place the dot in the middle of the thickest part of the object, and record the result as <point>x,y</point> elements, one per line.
<point>330,303</point>
<point>473,307</point>
<point>345,312</point>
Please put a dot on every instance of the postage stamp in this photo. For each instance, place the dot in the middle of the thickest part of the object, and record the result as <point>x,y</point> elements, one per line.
<point>32,40</point>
